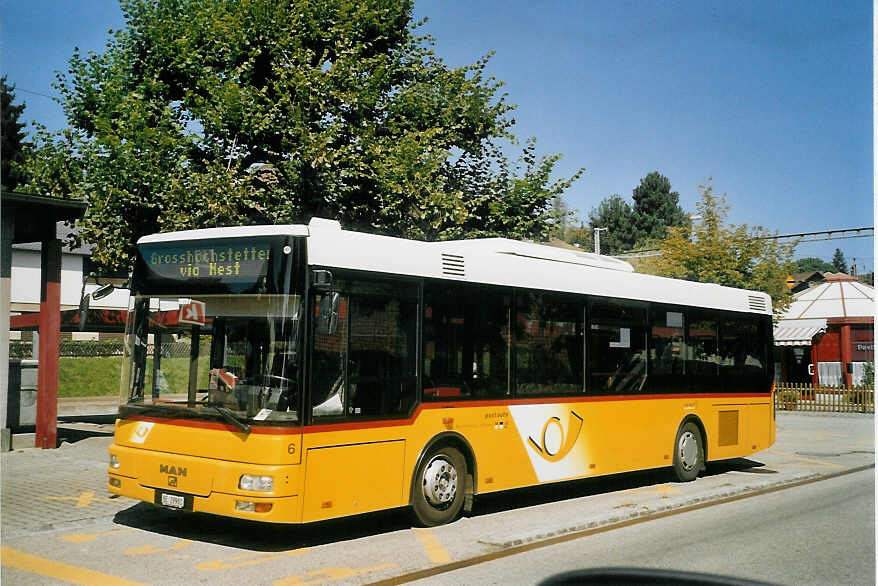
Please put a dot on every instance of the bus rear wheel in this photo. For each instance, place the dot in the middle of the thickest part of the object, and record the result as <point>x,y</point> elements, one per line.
<point>439,487</point>
<point>688,452</point>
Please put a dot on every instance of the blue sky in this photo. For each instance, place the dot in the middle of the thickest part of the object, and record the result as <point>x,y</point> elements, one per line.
<point>773,100</point>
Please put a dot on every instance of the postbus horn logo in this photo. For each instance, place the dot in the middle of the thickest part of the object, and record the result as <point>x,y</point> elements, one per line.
<point>554,444</point>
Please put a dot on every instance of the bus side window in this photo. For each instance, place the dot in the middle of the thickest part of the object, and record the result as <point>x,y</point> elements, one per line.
<point>467,342</point>
<point>329,353</point>
<point>382,372</point>
<point>363,359</point>
<point>548,345</point>
<point>617,346</point>
<point>667,351</point>
<point>702,362</point>
<point>740,349</point>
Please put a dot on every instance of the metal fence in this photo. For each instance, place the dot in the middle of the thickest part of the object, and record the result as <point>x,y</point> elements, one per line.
<point>805,397</point>
<point>97,349</point>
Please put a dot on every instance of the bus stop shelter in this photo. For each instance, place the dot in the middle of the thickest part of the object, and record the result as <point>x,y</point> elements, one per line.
<point>28,218</point>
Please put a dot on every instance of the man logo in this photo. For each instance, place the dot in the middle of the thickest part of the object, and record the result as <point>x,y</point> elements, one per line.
<point>176,471</point>
<point>554,445</point>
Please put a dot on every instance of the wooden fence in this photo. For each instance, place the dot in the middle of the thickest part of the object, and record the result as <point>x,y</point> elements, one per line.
<point>805,397</point>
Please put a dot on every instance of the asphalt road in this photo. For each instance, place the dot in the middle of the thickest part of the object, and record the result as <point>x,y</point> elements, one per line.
<point>821,533</point>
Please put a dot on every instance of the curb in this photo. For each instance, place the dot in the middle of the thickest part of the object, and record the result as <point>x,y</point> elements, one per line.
<point>662,510</point>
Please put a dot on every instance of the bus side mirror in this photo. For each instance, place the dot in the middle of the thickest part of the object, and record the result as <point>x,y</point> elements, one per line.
<point>102,291</point>
<point>327,315</point>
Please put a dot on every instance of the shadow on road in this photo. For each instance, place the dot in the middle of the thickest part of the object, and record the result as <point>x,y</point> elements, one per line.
<point>255,536</point>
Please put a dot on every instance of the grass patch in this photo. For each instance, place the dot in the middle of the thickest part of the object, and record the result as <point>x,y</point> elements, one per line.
<point>89,377</point>
<point>101,376</point>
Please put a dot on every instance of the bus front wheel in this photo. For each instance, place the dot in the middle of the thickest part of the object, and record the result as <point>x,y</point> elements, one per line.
<point>439,487</point>
<point>688,452</point>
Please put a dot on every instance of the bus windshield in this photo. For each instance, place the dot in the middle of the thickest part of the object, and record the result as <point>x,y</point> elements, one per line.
<point>233,357</point>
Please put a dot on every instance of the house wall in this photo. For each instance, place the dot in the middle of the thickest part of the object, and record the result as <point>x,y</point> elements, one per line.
<point>26,284</point>
<point>25,290</point>
<point>829,362</point>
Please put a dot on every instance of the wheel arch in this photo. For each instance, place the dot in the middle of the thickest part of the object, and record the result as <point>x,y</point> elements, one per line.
<point>460,443</point>
<point>695,419</point>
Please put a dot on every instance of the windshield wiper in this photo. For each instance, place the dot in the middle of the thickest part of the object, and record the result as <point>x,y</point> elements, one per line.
<point>229,416</point>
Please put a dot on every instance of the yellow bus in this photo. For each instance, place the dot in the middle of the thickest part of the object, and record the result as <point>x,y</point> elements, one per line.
<point>298,373</point>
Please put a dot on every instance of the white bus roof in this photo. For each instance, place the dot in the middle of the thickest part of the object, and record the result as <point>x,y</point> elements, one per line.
<point>494,261</point>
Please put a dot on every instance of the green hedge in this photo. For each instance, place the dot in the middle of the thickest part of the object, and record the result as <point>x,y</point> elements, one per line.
<point>89,377</point>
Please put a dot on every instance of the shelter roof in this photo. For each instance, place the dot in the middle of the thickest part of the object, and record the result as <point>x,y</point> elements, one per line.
<point>797,332</point>
<point>35,216</point>
<point>839,297</point>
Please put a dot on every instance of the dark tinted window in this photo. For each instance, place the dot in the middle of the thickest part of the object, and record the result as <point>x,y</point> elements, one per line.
<point>667,351</point>
<point>741,350</point>
<point>616,347</point>
<point>364,356</point>
<point>329,356</point>
<point>548,345</point>
<point>703,360</point>
<point>466,342</point>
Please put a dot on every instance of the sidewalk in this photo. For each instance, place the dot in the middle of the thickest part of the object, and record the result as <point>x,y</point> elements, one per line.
<point>78,417</point>
<point>82,406</point>
<point>53,489</point>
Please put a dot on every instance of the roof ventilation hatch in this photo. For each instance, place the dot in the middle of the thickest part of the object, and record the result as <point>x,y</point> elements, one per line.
<point>453,265</point>
<point>757,303</point>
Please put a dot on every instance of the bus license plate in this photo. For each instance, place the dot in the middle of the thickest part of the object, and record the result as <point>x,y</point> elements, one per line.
<point>173,500</point>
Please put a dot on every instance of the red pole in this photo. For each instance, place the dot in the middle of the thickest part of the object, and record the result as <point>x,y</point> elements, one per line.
<point>846,353</point>
<point>815,379</point>
<point>50,334</point>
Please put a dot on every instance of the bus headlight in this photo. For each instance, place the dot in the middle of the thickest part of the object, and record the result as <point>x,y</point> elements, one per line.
<point>114,461</point>
<point>257,483</point>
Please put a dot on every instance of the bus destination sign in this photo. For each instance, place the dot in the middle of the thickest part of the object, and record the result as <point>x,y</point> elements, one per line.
<point>229,261</point>
<point>230,264</point>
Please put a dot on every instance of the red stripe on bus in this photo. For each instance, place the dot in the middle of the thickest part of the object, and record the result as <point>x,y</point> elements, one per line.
<point>214,425</point>
<point>379,423</point>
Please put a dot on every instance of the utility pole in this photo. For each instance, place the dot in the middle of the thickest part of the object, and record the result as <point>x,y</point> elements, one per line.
<point>597,239</point>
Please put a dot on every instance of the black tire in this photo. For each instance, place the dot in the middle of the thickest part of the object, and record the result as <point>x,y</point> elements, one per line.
<point>688,452</point>
<point>438,487</point>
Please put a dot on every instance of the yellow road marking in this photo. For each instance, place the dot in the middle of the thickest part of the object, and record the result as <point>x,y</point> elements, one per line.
<point>59,571</point>
<point>431,545</point>
<point>148,549</point>
<point>83,500</point>
<point>809,460</point>
<point>328,575</point>
<point>248,559</point>
<point>83,537</point>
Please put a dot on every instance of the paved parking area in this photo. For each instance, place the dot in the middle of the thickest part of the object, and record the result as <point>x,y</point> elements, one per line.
<point>59,526</point>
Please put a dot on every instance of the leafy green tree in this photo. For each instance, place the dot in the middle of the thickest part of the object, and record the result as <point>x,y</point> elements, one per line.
<point>616,216</point>
<point>221,112</point>
<point>712,251</point>
<point>12,143</point>
<point>811,264</point>
<point>839,264</point>
<point>656,208</point>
